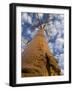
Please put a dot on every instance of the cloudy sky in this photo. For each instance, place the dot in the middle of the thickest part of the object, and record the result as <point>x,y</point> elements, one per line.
<point>54,32</point>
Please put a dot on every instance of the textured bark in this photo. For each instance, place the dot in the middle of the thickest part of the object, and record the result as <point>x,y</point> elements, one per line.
<point>37,60</point>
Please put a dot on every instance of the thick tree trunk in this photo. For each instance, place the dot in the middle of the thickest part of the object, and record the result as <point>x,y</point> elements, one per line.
<point>37,60</point>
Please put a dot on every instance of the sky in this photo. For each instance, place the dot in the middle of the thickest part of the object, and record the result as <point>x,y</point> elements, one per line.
<point>54,28</point>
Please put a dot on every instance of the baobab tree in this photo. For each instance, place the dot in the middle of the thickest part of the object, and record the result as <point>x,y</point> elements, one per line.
<point>37,58</point>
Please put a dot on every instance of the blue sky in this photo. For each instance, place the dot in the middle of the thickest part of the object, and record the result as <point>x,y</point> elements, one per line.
<point>54,28</point>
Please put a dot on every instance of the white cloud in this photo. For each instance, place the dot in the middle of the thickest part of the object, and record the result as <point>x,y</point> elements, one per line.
<point>36,29</point>
<point>34,33</point>
<point>26,18</point>
<point>51,30</point>
<point>40,15</point>
<point>23,43</point>
<point>28,31</point>
<point>60,33</point>
<point>50,46</point>
<point>51,16</point>
<point>57,57</point>
<point>59,41</point>
<point>61,58</point>
<point>61,17</point>
<point>22,23</point>
<point>59,46</point>
<point>57,24</point>
<point>29,19</point>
